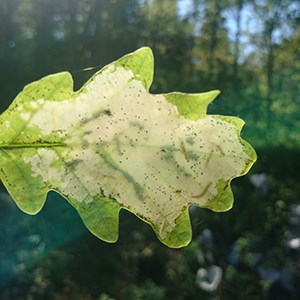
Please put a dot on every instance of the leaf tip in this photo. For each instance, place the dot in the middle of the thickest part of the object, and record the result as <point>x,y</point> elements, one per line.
<point>181,234</point>
<point>192,106</point>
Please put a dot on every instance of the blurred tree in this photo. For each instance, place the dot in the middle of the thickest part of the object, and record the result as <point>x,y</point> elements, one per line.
<point>286,89</point>
<point>171,39</point>
<point>276,17</point>
<point>8,37</point>
<point>239,5</point>
<point>6,14</point>
<point>212,47</point>
<point>234,12</point>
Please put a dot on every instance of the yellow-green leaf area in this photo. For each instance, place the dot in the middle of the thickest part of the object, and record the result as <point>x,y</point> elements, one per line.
<point>113,145</point>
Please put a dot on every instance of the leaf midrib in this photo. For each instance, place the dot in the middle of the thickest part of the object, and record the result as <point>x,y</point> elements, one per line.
<point>31,145</point>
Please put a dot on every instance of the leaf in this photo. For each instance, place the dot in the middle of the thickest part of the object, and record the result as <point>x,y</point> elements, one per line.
<point>113,145</point>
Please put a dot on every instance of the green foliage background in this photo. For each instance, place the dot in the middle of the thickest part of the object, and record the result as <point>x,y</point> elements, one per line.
<point>247,49</point>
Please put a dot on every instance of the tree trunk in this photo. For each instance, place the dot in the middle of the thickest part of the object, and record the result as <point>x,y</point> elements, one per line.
<point>237,40</point>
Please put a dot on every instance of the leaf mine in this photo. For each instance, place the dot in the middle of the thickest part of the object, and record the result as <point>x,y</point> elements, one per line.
<point>113,145</point>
